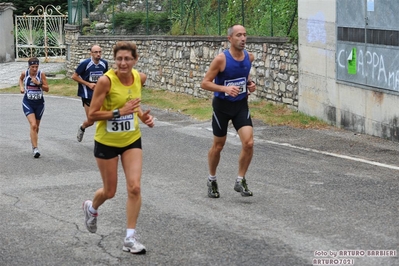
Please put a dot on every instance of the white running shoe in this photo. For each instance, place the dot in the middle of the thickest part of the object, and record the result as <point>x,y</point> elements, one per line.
<point>90,219</point>
<point>133,246</point>
<point>36,152</point>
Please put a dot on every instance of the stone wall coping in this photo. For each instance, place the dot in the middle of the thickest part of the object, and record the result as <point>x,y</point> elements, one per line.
<point>70,27</point>
<point>250,39</point>
<point>6,6</point>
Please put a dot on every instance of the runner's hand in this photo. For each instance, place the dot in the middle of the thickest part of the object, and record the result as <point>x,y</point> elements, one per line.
<point>147,119</point>
<point>251,86</point>
<point>233,91</point>
<point>130,107</point>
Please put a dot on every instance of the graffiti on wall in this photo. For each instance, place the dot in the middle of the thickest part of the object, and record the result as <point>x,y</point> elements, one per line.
<point>376,67</point>
<point>365,29</point>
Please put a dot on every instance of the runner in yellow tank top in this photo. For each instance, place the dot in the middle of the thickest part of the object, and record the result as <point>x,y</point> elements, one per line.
<point>116,107</point>
<point>122,131</point>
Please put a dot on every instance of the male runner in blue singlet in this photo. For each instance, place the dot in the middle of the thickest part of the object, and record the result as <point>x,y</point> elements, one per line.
<point>228,78</point>
<point>87,74</point>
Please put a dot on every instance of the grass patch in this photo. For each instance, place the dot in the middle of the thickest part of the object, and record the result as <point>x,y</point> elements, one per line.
<point>64,87</point>
<point>280,115</point>
<point>198,108</point>
<point>61,87</point>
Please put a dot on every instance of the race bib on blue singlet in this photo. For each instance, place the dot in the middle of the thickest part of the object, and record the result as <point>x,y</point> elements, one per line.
<point>122,124</point>
<point>34,94</point>
<point>240,82</point>
<point>95,75</point>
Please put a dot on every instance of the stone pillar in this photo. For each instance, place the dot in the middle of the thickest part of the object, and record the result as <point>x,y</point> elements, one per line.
<point>7,47</point>
<point>72,33</point>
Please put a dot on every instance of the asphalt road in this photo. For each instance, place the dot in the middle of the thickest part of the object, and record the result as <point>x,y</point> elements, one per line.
<point>315,192</point>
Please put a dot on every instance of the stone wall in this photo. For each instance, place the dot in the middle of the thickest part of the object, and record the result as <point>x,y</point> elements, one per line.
<point>178,63</point>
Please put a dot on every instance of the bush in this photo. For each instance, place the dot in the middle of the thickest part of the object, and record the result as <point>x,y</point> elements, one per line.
<point>132,20</point>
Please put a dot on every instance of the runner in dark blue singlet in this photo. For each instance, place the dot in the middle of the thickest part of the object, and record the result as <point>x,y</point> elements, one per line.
<point>86,74</point>
<point>32,83</point>
<point>228,78</point>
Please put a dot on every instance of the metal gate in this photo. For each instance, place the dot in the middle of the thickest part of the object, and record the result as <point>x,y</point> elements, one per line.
<point>41,34</point>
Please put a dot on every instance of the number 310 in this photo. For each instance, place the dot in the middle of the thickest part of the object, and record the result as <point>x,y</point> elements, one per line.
<point>121,126</point>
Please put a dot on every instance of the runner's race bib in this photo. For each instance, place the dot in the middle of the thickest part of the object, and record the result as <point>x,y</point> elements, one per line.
<point>95,75</point>
<point>34,94</point>
<point>122,124</point>
<point>240,82</point>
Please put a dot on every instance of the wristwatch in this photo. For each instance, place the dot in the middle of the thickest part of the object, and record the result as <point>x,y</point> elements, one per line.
<point>116,113</point>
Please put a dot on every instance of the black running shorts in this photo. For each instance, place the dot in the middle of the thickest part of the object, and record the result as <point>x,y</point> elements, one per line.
<point>224,111</point>
<point>86,101</point>
<point>102,151</point>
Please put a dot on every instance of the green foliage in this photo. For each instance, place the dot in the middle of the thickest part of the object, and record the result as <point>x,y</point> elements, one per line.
<point>233,13</point>
<point>22,6</point>
<point>213,17</point>
<point>35,37</point>
<point>162,19</point>
<point>96,2</point>
<point>131,20</point>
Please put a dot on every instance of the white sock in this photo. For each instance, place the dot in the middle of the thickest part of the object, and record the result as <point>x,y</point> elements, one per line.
<point>239,178</point>
<point>130,232</point>
<point>92,210</point>
<point>212,178</point>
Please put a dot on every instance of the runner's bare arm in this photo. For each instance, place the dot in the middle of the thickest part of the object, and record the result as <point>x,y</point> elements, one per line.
<point>103,87</point>
<point>78,79</point>
<point>143,78</point>
<point>252,85</point>
<point>21,83</point>
<point>44,86</point>
<point>218,65</point>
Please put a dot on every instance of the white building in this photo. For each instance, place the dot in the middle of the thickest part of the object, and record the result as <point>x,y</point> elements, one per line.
<point>349,64</point>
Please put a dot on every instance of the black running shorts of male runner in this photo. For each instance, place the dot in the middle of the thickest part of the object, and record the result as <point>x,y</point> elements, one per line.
<point>86,101</point>
<point>224,111</point>
<point>102,151</point>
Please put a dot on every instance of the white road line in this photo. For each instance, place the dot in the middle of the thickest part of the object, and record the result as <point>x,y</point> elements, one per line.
<point>335,155</point>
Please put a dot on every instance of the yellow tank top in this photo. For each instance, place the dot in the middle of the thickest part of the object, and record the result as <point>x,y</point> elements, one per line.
<point>123,131</point>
